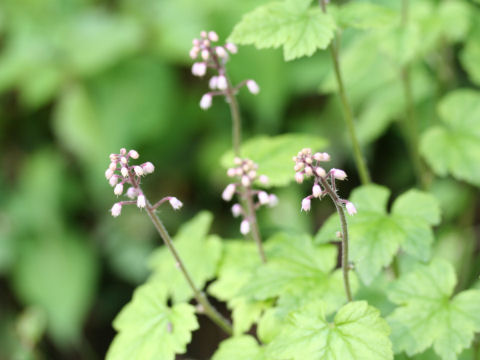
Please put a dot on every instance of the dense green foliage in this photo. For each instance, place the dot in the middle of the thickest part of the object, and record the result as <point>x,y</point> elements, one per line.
<point>80,79</point>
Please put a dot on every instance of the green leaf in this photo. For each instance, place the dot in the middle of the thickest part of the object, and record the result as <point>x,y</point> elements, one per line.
<point>200,254</point>
<point>470,57</point>
<point>239,260</point>
<point>365,15</point>
<point>376,236</point>
<point>454,146</point>
<point>299,29</point>
<point>150,329</point>
<point>357,332</point>
<point>274,154</point>
<point>297,268</point>
<point>428,315</point>
<point>240,348</point>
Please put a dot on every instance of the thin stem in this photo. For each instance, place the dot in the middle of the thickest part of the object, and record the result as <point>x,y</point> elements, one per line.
<point>347,109</point>
<point>345,265</point>
<point>210,311</point>
<point>251,215</point>
<point>236,119</point>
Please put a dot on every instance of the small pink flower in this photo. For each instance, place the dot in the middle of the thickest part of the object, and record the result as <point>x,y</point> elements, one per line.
<point>206,101</point>
<point>321,156</point>
<point>213,82</point>
<point>231,47</point>
<point>113,180</point>
<point>246,181</point>
<point>194,52</point>
<point>338,174</point>
<point>263,179</point>
<point>236,210</point>
<point>141,201</point>
<point>253,87</point>
<point>148,167</point>
<point>263,198</point>
<point>320,172</point>
<point>124,171</point>
<point>212,36</point>
<point>138,170</point>
<point>245,227</point>
<point>273,201</point>
<point>351,208</point>
<point>299,177</point>
<point>221,52</point>
<point>222,83</point>
<point>199,69</point>
<point>109,174</point>
<point>116,209</point>
<point>131,193</point>
<point>316,190</point>
<point>118,189</point>
<point>228,193</point>
<point>176,204</point>
<point>205,54</point>
<point>306,204</point>
<point>133,154</point>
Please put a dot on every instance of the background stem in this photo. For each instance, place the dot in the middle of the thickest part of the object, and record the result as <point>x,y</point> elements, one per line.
<point>209,310</point>
<point>252,217</point>
<point>347,109</point>
<point>345,264</point>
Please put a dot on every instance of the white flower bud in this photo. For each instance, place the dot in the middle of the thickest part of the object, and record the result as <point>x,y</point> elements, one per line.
<point>253,87</point>
<point>113,180</point>
<point>263,179</point>
<point>148,167</point>
<point>351,208</point>
<point>338,174</point>
<point>273,201</point>
<point>133,154</point>
<point>206,101</point>
<point>221,52</point>
<point>199,69</point>
<point>320,172</point>
<point>109,174</point>
<point>299,177</point>
<point>308,160</point>
<point>298,167</point>
<point>308,171</point>
<point>113,166</point>
<point>245,227</point>
<point>124,171</point>
<point>194,52</point>
<point>113,157</point>
<point>205,54</point>
<point>196,42</point>
<point>236,210</point>
<point>123,151</point>
<point>321,156</point>
<point>228,192</point>
<point>116,209</point>
<point>203,34</point>
<point>222,83</point>
<point>252,174</point>
<point>131,193</point>
<point>263,198</point>
<point>138,170</point>
<point>246,181</point>
<point>118,189</point>
<point>176,204</point>
<point>123,160</point>
<point>212,84</point>
<point>237,161</point>
<point>141,201</point>
<point>306,204</point>
<point>231,47</point>
<point>212,36</point>
<point>316,190</point>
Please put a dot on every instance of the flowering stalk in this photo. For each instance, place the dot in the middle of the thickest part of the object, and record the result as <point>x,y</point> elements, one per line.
<point>307,165</point>
<point>131,175</point>
<point>216,57</point>
<point>347,109</point>
<point>246,173</point>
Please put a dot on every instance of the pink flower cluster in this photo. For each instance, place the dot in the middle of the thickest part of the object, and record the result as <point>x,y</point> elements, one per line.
<point>307,164</point>
<point>215,57</point>
<point>120,173</point>
<point>245,171</point>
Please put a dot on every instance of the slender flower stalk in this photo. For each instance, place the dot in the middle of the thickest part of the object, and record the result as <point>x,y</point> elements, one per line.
<point>245,173</point>
<point>131,175</point>
<point>308,165</point>
<point>216,57</point>
<point>347,109</point>
<point>411,124</point>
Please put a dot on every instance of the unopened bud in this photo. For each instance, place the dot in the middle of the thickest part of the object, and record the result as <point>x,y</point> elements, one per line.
<point>176,204</point>
<point>212,84</point>
<point>221,52</point>
<point>351,208</point>
<point>316,190</point>
<point>124,160</point>
<point>263,179</point>
<point>299,177</point>
<point>298,167</point>
<point>231,172</point>
<point>109,174</point>
<point>320,172</point>
<point>113,180</point>
<point>338,174</point>
<point>263,198</point>
<point>246,181</point>
<point>245,227</point>
<point>123,151</point>
<point>212,36</point>
<point>148,167</point>
<point>124,171</point>
<point>206,101</point>
<point>138,170</point>
<point>222,83</point>
<point>231,47</point>
<point>116,209</point>
<point>205,54</point>
<point>253,87</point>
<point>131,193</point>
<point>228,193</point>
<point>236,210</point>
<point>308,171</point>
<point>273,201</point>
<point>133,154</point>
<point>199,69</point>
<point>113,166</point>
<point>237,161</point>
<point>194,52</point>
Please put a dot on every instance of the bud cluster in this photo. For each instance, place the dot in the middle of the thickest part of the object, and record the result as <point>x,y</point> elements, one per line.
<point>213,56</point>
<point>307,164</point>
<point>121,174</point>
<point>245,171</point>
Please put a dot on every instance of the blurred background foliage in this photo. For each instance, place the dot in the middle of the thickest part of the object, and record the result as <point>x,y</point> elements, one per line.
<point>81,78</point>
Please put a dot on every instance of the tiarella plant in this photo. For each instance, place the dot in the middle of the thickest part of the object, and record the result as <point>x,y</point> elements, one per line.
<point>292,297</point>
